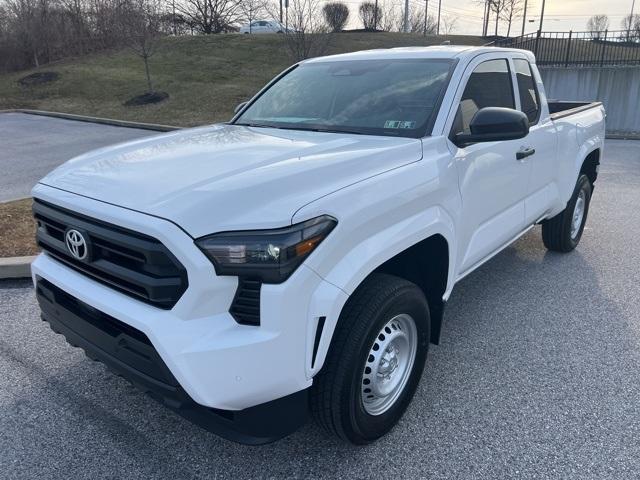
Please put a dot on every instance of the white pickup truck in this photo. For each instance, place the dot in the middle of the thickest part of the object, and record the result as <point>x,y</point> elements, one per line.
<point>299,257</point>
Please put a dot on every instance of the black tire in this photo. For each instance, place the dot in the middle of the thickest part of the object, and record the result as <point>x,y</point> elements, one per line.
<point>556,232</point>
<point>336,396</point>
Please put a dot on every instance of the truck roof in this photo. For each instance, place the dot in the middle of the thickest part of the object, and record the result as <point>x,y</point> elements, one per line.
<point>435,52</point>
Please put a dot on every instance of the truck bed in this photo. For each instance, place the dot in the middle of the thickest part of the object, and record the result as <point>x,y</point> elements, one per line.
<point>561,109</point>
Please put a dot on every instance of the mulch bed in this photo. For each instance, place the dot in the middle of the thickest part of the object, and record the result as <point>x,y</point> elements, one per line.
<point>17,229</point>
<point>146,99</point>
<point>39,78</point>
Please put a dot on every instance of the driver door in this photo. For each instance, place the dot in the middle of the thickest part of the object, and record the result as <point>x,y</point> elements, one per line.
<point>492,181</point>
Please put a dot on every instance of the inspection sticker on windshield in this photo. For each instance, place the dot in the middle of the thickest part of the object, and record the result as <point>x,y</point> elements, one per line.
<point>399,124</point>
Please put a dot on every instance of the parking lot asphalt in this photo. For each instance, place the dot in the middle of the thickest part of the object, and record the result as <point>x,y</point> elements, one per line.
<point>33,145</point>
<point>537,376</point>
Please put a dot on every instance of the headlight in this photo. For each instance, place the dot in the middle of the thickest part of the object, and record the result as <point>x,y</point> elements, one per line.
<point>269,255</point>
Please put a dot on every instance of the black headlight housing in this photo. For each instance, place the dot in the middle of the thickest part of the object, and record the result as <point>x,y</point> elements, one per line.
<point>268,255</point>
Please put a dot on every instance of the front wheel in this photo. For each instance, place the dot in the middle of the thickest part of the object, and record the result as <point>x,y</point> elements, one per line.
<point>563,232</point>
<point>375,361</point>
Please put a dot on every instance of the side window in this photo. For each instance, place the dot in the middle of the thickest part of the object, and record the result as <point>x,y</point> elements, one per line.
<point>488,86</point>
<point>529,98</point>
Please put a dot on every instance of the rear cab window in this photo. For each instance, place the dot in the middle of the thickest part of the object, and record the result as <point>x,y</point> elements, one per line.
<point>529,96</point>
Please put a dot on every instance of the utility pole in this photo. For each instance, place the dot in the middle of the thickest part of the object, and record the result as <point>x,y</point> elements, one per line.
<point>426,16</point>
<point>541,16</point>
<point>485,27</point>
<point>524,16</point>
<point>280,12</point>
<point>633,7</point>
<point>484,16</point>
<point>439,7</point>
<point>406,16</point>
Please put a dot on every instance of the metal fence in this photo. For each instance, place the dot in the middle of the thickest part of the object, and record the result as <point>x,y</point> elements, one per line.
<point>621,47</point>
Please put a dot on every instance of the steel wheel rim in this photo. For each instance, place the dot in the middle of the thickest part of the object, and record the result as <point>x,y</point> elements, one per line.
<point>578,215</point>
<point>389,363</point>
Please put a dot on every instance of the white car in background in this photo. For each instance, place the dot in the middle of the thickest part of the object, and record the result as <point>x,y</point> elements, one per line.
<point>263,26</point>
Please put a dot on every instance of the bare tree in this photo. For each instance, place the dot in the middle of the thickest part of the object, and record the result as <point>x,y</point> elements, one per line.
<point>336,14</point>
<point>30,28</point>
<point>393,20</point>
<point>497,7</point>
<point>306,34</point>
<point>449,24</point>
<point>76,11</point>
<point>512,9</point>
<point>598,23</point>
<point>141,26</point>
<point>251,10</point>
<point>211,16</point>
<point>371,15</point>
<point>35,32</point>
<point>631,25</point>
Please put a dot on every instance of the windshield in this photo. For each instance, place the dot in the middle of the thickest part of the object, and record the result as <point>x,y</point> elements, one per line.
<point>377,97</point>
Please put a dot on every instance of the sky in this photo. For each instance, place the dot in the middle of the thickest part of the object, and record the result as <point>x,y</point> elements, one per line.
<point>560,15</point>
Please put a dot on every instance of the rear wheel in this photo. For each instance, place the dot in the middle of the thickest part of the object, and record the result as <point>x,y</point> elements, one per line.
<point>375,361</point>
<point>563,232</point>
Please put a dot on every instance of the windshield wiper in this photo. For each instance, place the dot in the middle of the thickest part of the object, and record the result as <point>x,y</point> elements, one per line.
<point>304,129</point>
<point>257,125</point>
<point>322,130</point>
<point>332,130</point>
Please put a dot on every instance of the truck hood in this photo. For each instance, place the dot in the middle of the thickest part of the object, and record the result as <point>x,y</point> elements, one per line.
<point>226,177</point>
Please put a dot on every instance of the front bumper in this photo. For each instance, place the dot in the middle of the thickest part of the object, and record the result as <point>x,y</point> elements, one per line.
<point>129,353</point>
<point>216,362</point>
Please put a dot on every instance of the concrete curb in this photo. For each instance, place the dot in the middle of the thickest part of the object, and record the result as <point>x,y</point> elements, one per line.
<point>104,121</point>
<point>14,199</point>
<point>16,267</point>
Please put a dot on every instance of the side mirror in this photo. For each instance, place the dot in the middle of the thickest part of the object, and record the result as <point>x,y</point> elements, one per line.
<point>494,124</point>
<point>239,107</point>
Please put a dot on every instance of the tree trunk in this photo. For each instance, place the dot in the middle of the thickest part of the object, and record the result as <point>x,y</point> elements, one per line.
<point>497,20</point>
<point>146,70</point>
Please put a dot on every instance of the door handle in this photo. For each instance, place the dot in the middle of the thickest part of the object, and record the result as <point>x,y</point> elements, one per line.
<point>525,152</point>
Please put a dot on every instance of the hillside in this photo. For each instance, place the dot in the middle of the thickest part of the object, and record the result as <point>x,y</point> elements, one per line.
<point>205,76</point>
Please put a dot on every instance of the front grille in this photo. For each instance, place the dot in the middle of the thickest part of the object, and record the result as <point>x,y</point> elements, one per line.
<point>245,308</point>
<point>135,264</point>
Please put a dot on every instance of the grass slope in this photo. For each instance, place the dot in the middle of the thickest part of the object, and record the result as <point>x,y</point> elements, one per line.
<point>205,76</point>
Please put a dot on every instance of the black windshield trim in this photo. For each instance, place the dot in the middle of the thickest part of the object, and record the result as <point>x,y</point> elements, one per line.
<point>425,131</point>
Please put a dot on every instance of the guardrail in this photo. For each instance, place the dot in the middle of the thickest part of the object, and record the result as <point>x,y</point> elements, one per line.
<point>619,47</point>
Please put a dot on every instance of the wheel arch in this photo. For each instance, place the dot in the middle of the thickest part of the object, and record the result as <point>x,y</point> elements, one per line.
<point>436,281</point>
<point>590,165</point>
<point>426,264</point>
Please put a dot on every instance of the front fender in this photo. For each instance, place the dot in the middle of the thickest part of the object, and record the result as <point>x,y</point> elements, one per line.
<point>377,219</point>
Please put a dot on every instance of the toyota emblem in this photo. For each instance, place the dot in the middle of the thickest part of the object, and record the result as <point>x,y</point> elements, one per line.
<point>76,244</point>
